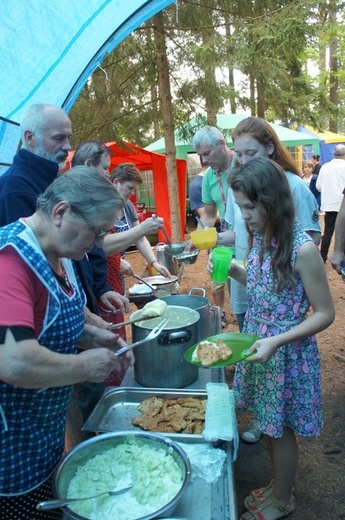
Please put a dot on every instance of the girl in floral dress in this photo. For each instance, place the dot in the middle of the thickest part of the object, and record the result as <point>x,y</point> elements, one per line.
<point>284,276</point>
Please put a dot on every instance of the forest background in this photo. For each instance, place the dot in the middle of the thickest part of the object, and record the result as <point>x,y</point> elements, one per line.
<point>279,60</point>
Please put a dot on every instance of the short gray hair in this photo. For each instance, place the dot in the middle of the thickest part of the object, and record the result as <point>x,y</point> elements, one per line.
<point>208,134</point>
<point>339,150</point>
<point>34,119</point>
<point>85,190</point>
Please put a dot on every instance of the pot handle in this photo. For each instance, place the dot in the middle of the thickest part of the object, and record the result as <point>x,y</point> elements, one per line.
<point>200,289</point>
<point>174,337</point>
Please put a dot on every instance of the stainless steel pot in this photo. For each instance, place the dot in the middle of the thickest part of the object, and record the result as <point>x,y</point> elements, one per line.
<point>199,303</point>
<point>166,258</point>
<point>160,362</point>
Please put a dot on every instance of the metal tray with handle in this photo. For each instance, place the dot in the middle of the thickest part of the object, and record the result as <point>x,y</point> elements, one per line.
<point>118,406</point>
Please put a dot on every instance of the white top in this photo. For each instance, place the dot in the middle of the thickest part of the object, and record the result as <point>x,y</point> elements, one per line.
<point>331,183</point>
<point>307,180</point>
<point>306,212</point>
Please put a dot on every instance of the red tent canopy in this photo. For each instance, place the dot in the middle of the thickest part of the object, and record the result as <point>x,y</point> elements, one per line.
<point>146,160</point>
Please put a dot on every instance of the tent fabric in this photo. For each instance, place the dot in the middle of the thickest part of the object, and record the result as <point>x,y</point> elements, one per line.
<point>50,49</point>
<point>290,138</point>
<point>327,136</point>
<point>146,160</point>
<point>327,141</point>
<point>9,137</point>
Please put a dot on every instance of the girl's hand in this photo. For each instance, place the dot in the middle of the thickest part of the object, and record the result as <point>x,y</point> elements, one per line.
<point>262,350</point>
<point>209,265</point>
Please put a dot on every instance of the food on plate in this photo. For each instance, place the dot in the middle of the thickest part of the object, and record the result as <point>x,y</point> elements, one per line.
<point>139,289</point>
<point>154,308</point>
<point>208,352</point>
<point>154,474</point>
<point>184,415</point>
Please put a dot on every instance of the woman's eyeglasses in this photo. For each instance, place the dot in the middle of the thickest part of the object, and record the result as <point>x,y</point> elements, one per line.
<point>97,232</point>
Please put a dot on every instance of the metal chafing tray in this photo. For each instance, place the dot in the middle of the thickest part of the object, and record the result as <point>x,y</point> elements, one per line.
<point>215,501</point>
<point>118,406</point>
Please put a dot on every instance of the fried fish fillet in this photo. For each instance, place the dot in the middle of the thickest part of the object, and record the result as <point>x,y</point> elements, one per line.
<point>209,353</point>
<point>184,415</point>
<point>152,406</point>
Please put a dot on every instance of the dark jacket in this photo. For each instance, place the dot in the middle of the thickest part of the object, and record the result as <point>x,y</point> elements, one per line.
<point>20,185</point>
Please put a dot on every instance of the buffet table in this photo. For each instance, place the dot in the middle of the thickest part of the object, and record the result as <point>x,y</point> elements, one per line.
<point>203,501</point>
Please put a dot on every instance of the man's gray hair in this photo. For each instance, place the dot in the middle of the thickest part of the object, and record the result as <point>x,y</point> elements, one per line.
<point>207,134</point>
<point>339,150</point>
<point>86,191</point>
<point>34,119</point>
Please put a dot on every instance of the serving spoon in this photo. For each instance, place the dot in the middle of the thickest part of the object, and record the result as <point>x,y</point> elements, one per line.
<point>54,504</point>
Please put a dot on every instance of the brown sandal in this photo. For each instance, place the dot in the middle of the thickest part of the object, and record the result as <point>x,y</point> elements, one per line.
<point>270,509</point>
<point>258,496</point>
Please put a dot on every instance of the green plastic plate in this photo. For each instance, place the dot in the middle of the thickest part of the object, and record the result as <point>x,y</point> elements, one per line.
<point>239,342</point>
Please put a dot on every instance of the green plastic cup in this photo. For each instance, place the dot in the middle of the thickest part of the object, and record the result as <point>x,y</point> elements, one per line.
<point>221,258</point>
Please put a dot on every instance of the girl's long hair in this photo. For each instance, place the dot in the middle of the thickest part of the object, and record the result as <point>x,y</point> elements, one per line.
<point>262,131</point>
<point>264,183</point>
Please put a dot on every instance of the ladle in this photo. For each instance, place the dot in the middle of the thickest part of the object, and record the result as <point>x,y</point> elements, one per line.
<point>54,504</point>
<point>165,233</point>
<point>146,283</point>
<point>201,224</point>
<point>167,237</point>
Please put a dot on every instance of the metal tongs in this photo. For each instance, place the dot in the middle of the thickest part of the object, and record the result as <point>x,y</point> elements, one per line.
<point>152,335</point>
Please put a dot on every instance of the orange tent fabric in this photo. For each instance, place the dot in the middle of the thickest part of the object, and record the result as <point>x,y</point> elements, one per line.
<point>146,160</point>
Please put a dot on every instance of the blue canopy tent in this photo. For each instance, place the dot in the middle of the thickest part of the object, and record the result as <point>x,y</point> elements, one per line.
<point>50,49</point>
<point>327,141</point>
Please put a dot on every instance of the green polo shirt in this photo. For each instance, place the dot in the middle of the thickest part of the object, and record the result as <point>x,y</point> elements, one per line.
<point>210,189</point>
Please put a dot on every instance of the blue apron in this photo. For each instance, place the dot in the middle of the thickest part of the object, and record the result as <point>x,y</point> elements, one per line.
<point>32,429</point>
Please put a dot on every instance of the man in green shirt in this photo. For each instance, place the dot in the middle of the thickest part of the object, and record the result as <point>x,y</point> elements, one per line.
<point>210,145</point>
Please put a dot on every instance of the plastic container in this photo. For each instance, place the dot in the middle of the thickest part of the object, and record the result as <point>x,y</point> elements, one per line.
<point>221,258</point>
<point>204,238</point>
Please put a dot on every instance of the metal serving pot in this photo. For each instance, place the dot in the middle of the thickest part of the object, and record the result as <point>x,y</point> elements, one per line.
<point>160,363</point>
<point>167,258</point>
<point>199,303</point>
<point>88,449</point>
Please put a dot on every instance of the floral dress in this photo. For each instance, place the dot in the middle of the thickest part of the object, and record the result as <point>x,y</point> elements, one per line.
<point>285,391</point>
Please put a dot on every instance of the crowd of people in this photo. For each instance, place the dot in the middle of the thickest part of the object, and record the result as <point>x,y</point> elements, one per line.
<point>56,351</point>
<point>272,217</point>
<point>63,239</point>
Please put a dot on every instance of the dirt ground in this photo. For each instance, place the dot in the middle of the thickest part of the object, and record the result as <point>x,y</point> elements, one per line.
<point>320,483</point>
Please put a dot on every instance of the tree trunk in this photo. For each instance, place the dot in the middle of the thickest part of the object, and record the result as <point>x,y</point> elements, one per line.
<point>252,95</point>
<point>232,90</point>
<point>261,105</point>
<point>168,123</point>
<point>209,72</point>
<point>333,74</point>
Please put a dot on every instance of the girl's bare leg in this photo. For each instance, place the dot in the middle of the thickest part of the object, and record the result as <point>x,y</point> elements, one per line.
<point>284,457</point>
